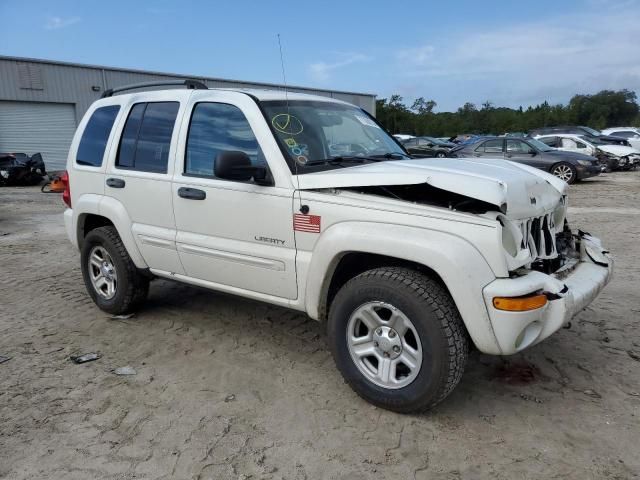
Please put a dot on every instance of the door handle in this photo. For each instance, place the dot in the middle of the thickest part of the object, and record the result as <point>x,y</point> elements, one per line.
<point>192,193</point>
<point>115,183</point>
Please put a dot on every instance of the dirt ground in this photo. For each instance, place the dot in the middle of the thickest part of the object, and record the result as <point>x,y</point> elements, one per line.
<point>230,388</point>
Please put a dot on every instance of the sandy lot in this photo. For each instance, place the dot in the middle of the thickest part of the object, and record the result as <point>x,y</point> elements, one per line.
<point>229,388</point>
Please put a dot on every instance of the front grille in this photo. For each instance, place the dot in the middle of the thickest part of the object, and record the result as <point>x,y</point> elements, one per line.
<point>538,235</point>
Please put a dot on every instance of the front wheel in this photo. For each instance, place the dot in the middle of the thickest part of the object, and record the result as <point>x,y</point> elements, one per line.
<point>565,171</point>
<point>441,155</point>
<point>398,339</point>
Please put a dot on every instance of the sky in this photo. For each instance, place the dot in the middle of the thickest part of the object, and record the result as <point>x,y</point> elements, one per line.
<point>511,53</point>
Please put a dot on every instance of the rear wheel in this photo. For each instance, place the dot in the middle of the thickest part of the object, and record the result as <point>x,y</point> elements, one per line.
<point>565,171</point>
<point>397,338</point>
<point>110,276</point>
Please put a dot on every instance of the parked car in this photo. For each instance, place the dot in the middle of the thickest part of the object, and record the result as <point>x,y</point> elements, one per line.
<point>21,169</point>
<point>404,260</point>
<point>614,157</point>
<point>632,134</point>
<point>569,167</point>
<point>401,136</point>
<point>427,147</point>
<point>579,130</point>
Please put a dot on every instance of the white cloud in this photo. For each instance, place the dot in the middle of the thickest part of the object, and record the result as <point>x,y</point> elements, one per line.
<point>56,23</point>
<point>322,71</point>
<point>416,56</point>
<point>532,61</point>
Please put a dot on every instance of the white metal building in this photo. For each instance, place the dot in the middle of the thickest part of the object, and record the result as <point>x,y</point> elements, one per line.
<point>42,101</point>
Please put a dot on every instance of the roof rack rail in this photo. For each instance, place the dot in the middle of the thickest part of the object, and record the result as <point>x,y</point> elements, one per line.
<point>190,84</point>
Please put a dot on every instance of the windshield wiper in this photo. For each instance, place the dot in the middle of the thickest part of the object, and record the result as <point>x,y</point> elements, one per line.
<point>340,160</point>
<point>392,156</point>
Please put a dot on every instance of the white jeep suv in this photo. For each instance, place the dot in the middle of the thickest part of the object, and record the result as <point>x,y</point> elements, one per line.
<point>308,203</point>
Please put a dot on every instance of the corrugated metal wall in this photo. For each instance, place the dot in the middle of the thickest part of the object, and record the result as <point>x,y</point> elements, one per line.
<point>33,80</point>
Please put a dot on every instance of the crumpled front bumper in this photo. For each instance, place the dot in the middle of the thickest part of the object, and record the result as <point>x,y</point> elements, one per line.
<point>569,291</point>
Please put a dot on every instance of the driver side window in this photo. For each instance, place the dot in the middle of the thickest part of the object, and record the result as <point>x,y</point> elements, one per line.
<point>215,128</point>
<point>518,146</point>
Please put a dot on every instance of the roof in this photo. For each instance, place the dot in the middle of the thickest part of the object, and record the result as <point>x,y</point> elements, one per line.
<point>179,75</point>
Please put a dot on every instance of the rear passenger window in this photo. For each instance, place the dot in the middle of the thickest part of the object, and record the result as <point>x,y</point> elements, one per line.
<point>215,128</point>
<point>146,137</point>
<point>95,136</point>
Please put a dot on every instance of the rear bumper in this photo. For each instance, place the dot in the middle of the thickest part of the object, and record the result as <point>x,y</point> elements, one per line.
<point>570,290</point>
<point>70,227</point>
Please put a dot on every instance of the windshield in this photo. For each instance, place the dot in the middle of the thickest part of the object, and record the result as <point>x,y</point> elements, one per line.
<point>312,131</point>
<point>543,147</point>
<point>591,131</point>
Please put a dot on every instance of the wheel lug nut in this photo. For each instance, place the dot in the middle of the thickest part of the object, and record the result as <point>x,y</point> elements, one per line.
<point>396,348</point>
<point>379,331</point>
<point>386,354</point>
<point>375,344</point>
<point>392,334</point>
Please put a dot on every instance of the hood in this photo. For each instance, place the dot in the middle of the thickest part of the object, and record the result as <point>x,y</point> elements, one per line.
<point>618,150</point>
<point>517,190</point>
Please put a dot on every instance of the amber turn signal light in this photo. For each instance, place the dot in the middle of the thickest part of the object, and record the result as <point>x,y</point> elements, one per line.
<point>520,304</point>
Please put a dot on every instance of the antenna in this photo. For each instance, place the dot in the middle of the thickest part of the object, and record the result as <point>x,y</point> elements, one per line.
<point>303,208</point>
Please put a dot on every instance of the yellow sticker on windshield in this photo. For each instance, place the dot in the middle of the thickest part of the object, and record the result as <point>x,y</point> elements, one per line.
<point>286,123</point>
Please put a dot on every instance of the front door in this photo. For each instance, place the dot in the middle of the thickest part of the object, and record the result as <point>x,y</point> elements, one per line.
<point>522,152</point>
<point>231,233</point>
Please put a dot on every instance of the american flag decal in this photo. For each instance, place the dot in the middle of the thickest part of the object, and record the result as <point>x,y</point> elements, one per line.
<point>306,223</point>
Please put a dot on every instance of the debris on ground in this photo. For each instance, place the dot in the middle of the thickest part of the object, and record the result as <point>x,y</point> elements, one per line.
<point>230,398</point>
<point>592,393</point>
<point>4,359</point>
<point>634,355</point>
<point>85,357</point>
<point>122,317</point>
<point>125,370</point>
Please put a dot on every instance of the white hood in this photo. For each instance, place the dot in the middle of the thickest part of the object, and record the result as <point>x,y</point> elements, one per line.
<point>517,190</point>
<point>619,150</point>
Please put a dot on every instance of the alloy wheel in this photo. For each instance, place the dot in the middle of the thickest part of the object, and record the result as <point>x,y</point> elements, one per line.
<point>384,345</point>
<point>102,272</point>
<point>563,172</point>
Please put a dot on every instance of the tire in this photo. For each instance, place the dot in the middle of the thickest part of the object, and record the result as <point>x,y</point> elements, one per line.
<point>437,330</point>
<point>565,171</point>
<point>130,287</point>
<point>441,155</point>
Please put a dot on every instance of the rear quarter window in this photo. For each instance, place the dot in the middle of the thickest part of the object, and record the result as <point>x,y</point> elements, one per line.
<point>95,136</point>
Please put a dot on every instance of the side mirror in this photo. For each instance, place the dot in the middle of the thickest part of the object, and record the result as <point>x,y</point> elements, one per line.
<point>236,166</point>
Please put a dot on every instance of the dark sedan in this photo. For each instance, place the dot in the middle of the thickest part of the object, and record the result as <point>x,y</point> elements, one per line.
<point>427,147</point>
<point>567,166</point>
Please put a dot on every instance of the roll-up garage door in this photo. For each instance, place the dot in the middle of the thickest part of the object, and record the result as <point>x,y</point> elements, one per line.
<point>32,127</point>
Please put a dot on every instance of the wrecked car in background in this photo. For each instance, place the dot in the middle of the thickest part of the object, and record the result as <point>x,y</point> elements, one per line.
<point>404,260</point>
<point>20,169</point>
<point>613,157</point>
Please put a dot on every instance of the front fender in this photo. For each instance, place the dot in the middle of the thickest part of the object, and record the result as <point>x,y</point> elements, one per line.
<point>459,264</point>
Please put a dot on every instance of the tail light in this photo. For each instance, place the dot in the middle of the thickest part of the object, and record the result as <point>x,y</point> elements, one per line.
<point>66,193</point>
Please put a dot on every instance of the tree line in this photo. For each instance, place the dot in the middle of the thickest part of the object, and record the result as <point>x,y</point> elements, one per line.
<point>604,109</point>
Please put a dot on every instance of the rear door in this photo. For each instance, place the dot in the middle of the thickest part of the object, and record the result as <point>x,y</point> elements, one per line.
<point>138,175</point>
<point>236,235</point>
